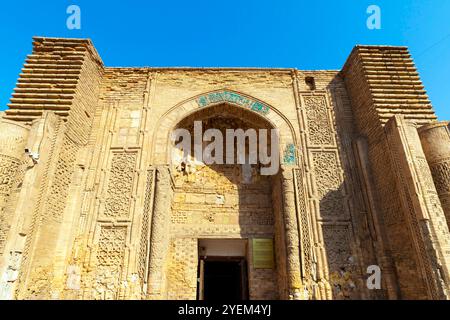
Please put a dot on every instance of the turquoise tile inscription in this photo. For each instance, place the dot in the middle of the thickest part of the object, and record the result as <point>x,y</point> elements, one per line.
<point>233,98</point>
<point>289,155</point>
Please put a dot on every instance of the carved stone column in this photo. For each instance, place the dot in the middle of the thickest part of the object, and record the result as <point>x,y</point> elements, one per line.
<point>435,140</point>
<point>12,153</point>
<point>295,286</point>
<point>421,208</point>
<point>12,168</point>
<point>159,244</point>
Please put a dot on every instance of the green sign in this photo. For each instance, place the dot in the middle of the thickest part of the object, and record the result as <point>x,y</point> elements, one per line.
<point>263,253</point>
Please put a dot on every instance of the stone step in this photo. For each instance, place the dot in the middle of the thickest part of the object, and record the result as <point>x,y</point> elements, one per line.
<point>47,84</point>
<point>381,60</point>
<point>34,95</point>
<point>50,62</point>
<point>400,55</point>
<point>29,115</point>
<point>22,106</point>
<point>61,80</point>
<point>405,109</point>
<point>46,71</point>
<point>49,76</point>
<point>394,79</point>
<point>389,84</point>
<point>400,100</point>
<point>418,120</point>
<point>41,101</point>
<point>387,114</point>
<point>39,57</point>
<point>384,73</point>
<point>44,91</point>
<point>389,90</point>
<point>51,65</point>
<point>392,69</point>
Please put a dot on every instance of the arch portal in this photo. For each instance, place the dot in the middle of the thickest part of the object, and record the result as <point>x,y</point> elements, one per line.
<point>229,100</point>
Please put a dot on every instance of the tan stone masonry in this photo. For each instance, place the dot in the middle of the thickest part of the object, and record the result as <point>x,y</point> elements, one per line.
<point>91,206</point>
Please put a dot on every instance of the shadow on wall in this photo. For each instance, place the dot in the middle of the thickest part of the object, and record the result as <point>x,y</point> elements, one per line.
<point>229,201</point>
<point>348,232</point>
<point>344,274</point>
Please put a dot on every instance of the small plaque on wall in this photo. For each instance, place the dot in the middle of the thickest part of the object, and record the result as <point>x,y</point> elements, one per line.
<point>263,253</point>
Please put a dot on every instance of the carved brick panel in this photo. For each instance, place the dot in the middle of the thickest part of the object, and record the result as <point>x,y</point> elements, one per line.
<point>343,273</point>
<point>336,240</point>
<point>145,230</point>
<point>59,189</point>
<point>110,259</point>
<point>318,121</point>
<point>329,183</point>
<point>306,248</point>
<point>111,246</point>
<point>8,169</point>
<point>441,176</point>
<point>120,185</point>
<point>10,174</point>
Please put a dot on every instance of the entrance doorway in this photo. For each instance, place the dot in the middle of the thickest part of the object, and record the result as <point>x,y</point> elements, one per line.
<point>222,276</point>
<point>224,280</point>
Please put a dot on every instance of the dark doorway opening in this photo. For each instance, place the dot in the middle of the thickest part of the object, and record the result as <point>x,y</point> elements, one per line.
<point>223,279</point>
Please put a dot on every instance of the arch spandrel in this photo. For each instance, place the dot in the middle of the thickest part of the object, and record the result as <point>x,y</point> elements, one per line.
<point>230,98</point>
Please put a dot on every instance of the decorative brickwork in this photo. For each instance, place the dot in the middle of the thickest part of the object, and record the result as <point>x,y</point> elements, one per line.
<point>318,120</point>
<point>92,206</point>
<point>435,140</point>
<point>59,190</point>
<point>120,185</point>
<point>305,227</point>
<point>110,257</point>
<point>146,224</point>
<point>12,169</point>
<point>382,82</point>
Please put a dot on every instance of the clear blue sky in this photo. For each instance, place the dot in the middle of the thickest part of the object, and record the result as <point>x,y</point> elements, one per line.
<point>234,33</point>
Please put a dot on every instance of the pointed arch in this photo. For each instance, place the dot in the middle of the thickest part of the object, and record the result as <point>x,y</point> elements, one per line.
<point>231,98</point>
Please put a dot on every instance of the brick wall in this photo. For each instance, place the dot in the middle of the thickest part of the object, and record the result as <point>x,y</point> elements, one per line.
<point>382,82</point>
<point>91,196</point>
